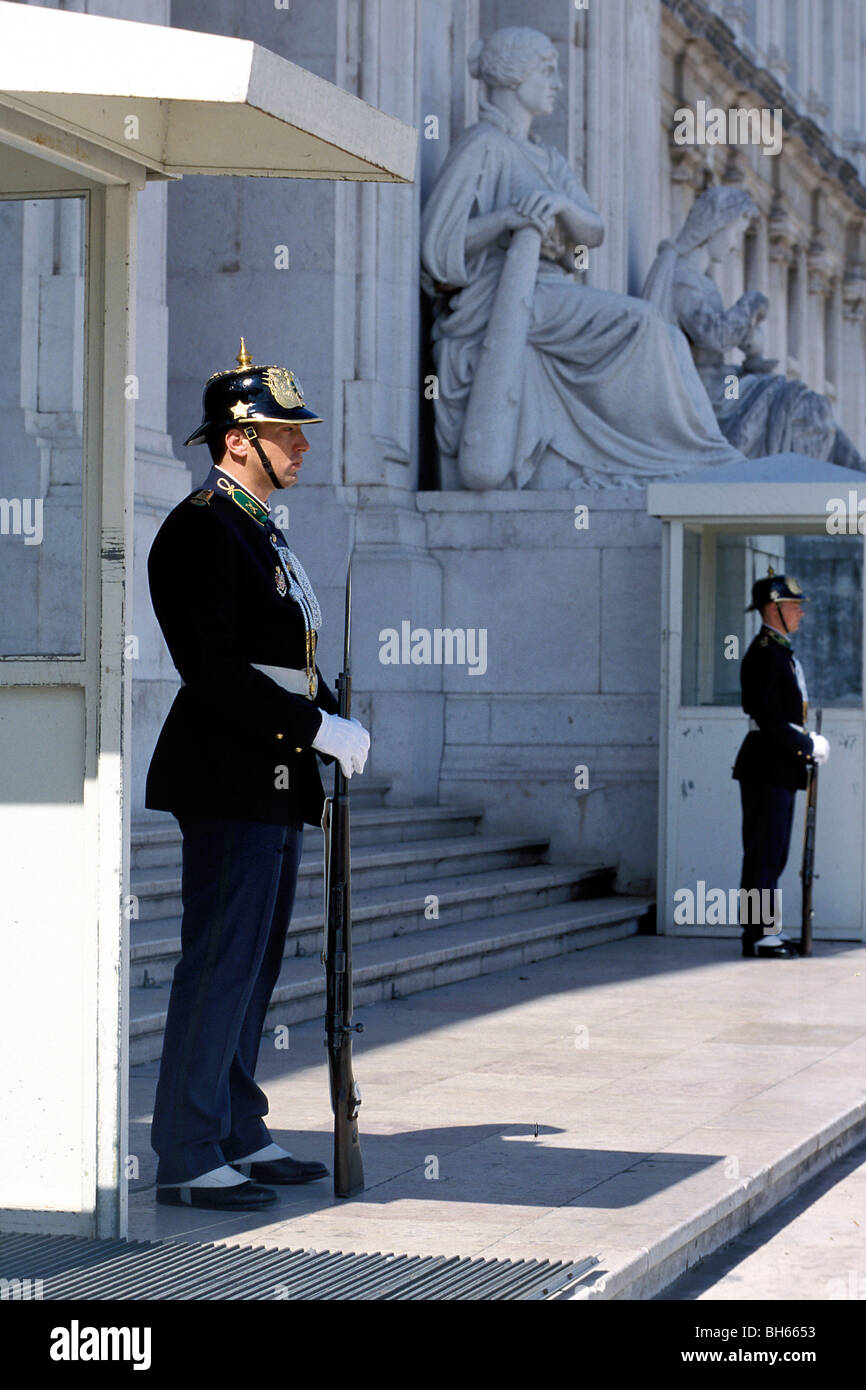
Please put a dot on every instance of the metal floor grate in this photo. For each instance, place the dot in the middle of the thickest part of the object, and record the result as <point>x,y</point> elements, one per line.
<point>71,1267</point>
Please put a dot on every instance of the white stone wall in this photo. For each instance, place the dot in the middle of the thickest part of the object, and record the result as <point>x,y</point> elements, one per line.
<point>571,614</point>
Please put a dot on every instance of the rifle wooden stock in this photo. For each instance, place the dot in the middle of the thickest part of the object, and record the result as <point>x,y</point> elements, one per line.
<point>807,871</point>
<point>337,956</point>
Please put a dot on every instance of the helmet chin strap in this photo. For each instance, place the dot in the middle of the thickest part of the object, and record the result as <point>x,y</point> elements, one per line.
<point>251,435</point>
<point>781,617</point>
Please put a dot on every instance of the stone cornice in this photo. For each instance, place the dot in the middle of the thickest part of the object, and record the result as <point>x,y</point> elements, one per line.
<point>704,24</point>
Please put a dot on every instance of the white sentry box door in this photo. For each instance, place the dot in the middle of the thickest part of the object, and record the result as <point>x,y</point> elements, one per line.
<point>65,311</point>
<point>700,839</point>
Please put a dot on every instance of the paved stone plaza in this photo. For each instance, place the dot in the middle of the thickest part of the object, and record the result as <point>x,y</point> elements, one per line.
<point>677,1092</point>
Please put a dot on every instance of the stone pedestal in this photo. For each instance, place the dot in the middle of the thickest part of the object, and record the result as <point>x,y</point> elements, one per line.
<point>571,617</point>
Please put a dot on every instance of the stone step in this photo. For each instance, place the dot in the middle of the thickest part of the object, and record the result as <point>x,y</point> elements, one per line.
<point>159,847</point>
<point>366,790</point>
<point>397,910</point>
<point>396,967</point>
<point>158,894</point>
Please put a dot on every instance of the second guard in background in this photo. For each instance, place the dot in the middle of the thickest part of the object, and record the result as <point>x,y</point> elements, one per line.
<point>773,762</point>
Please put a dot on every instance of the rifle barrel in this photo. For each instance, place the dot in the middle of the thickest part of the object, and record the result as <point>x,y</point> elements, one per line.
<point>807,869</point>
<point>345,1095</point>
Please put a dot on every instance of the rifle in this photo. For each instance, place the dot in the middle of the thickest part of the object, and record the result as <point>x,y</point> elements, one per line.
<point>807,871</point>
<point>337,957</point>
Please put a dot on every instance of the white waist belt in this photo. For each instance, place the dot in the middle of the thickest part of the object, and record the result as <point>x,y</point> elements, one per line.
<point>754,727</point>
<point>286,676</point>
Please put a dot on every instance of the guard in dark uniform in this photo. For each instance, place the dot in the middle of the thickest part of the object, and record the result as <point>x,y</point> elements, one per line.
<point>776,754</point>
<point>236,763</point>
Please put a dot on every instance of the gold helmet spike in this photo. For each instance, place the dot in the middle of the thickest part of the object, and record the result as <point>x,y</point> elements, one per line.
<point>243,358</point>
<point>770,570</point>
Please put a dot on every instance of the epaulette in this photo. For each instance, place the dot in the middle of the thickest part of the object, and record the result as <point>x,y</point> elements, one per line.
<point>764,642</point>
<point>202,498</point>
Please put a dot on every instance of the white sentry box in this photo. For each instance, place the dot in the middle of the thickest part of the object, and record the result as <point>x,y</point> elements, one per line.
<point>723,528</point>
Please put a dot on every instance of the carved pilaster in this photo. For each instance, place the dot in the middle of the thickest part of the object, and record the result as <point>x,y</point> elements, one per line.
<point>782,233</point>
<point>854,292</point>
<point>688,165</point>
<point>821,265</point>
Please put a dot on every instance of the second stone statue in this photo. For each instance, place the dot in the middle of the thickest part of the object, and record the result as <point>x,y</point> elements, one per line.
<point>544,382</point>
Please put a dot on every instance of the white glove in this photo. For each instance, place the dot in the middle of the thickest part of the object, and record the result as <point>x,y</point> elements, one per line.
<point>344,739</point>
<point>820,748</point>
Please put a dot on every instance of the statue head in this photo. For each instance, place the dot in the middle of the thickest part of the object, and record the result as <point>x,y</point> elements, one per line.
<point>521,60</point>
<point>716,219</point>
<point>716,222</point>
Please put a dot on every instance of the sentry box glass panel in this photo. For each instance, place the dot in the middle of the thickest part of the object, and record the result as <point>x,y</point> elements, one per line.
<point>718,571</point>
<point>42,353</point>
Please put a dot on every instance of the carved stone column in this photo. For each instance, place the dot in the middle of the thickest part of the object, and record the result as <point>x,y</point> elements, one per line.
<point>781,250</point>
<point>606,140</point>
<point>643,209</point>
<point>377,241</point>
<point>853,385</point>
<point>821,272</point>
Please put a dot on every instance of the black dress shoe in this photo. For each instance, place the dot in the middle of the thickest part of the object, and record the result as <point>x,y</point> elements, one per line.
<point>769,949</point>
<point>282,1170</point>
<point>244,1196</point>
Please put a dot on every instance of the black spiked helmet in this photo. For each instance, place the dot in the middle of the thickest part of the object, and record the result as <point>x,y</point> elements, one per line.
<point>775,588</point>
<point>247,395</point>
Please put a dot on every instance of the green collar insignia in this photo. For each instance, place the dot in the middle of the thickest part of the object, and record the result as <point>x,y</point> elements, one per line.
<point>249,504</point>
<point>778,637</point>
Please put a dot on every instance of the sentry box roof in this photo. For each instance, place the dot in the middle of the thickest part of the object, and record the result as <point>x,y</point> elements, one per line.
<point>782,492</point>
<point>203,104</point>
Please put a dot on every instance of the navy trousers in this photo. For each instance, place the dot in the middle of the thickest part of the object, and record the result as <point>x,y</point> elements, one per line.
<point>768,814</point>
<point>238,891</point>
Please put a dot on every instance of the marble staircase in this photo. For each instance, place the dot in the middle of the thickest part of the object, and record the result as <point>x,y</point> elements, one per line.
<point>434,899</point>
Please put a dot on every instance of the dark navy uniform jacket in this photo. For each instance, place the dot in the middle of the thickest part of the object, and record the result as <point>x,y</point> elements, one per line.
<point>222,604</point>
<point>774,752</point>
